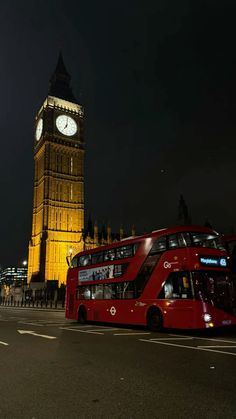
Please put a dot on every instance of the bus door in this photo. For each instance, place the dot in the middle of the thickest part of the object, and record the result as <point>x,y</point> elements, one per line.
<point>178,304</point>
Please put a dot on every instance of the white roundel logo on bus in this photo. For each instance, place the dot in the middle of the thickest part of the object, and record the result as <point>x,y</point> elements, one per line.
<point>113,310</point>
<point>167,265</point>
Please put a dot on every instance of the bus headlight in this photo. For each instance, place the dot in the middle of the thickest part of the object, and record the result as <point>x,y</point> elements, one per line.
<point>207,317</point>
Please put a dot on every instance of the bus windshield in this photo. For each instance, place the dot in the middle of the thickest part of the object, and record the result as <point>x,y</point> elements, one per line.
<point>215,288</point>
<point>207,240</point>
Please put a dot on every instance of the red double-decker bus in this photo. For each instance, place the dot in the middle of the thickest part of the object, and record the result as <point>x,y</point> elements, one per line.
<point>173,278</point>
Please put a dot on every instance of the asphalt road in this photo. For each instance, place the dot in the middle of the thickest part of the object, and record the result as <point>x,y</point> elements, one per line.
<point>54,368</point>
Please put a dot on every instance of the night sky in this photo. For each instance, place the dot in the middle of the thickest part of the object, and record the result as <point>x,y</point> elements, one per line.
<point>158,83</point>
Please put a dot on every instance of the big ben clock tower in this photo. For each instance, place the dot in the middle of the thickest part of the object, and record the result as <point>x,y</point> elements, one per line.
<point>58,206</point>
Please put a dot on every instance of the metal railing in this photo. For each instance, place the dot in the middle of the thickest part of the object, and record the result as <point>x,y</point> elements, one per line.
<point>11,302</point>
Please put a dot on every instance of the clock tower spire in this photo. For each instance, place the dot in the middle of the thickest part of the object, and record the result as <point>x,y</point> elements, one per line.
<point>60,82</point>
<point>58,206</point>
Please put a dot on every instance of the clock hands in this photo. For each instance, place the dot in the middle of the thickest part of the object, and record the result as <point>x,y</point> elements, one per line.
<point>66,124</point>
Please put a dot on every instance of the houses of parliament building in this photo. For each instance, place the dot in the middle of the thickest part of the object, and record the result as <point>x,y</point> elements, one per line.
<point>58,196</point>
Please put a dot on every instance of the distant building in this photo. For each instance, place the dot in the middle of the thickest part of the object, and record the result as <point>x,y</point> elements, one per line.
<point>12,275</point>
<point>93,237</point>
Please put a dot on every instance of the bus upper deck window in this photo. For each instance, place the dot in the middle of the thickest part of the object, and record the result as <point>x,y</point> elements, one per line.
<point>159,245</point>
<point>124,252</point>
<point>97,258</point>
<point>109,254</point>
<point>84,260</point>
<point>75,262</point>
<point>184,239</point>
<point>173,241</point>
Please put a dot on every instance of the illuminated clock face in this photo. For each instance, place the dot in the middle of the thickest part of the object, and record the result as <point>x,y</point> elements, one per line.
<point>66,125</point>
<point>39,129</point>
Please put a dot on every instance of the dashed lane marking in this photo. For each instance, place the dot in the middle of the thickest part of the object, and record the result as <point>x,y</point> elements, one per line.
<point>33,333</point>
<point>81,331</point>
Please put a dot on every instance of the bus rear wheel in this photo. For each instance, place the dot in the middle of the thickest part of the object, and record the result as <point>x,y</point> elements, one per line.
<point>154,320</point>
<point>82,317</point>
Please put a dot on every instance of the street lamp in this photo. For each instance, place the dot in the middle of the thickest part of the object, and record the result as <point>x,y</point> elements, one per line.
<point>69,258</point>
<point>24,263</point>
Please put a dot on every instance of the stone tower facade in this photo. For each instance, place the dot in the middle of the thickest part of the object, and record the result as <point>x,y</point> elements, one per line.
<point>58,204</point>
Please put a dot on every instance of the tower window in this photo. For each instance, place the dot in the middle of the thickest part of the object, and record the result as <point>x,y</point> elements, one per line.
<point>71,165</point>
<point>71,192</point>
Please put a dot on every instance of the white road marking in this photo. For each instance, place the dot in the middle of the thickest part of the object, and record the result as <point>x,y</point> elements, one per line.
<point>53,324</point>
<point>18,318</point>
<point>4,343</point>
<point>105,329</point>
<point>211,339</point>
<point>81,326</point>
<point>131,334</point>
<point>187,347</point>
<point>81,331</point>
<point>42,323</point>
<point>31,332</point>
<point>218,340</point>
<point>217,346</point>
<point>31,324</point>
<point>182,338</point>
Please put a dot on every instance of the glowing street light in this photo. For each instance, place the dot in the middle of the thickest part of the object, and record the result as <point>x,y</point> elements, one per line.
<point>69,258</point>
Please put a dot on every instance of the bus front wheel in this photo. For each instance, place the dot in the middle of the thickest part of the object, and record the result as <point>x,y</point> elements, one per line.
<point>82,315</point>
<point>154,320</point>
